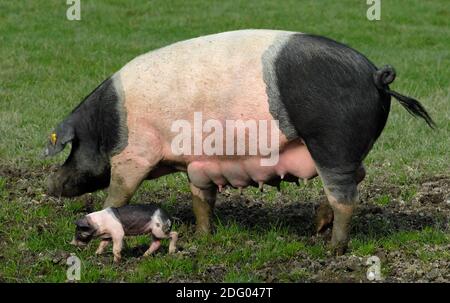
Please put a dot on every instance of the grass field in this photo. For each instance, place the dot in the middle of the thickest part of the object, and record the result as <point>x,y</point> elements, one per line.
<point>48,64</point>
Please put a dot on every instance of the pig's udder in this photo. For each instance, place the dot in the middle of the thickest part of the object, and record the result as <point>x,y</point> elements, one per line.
<point>239,172</point>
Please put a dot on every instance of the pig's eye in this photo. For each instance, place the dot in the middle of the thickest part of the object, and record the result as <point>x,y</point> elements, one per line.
<point>158,225</point>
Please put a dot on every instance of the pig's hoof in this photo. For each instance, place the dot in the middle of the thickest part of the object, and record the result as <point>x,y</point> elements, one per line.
<point>117,259</point>
<point>201,230</point>
<point>339,249</point>
<point>172,250</point>
<point>99,252</point>
<point>324,217</point>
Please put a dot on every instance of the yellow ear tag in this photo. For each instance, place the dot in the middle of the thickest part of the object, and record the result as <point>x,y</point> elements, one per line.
<point>53,138</point>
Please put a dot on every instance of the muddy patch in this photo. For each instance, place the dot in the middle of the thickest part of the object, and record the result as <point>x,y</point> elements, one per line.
<point>370,218</point>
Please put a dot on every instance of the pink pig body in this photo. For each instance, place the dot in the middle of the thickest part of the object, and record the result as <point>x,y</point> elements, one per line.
<point>232,88</point>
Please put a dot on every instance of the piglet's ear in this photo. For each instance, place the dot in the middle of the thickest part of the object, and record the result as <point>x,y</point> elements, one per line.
<point>82,223</point>
<point>58,139</point>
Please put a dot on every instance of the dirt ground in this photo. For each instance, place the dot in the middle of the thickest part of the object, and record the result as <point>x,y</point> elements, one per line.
<point>429,207</point>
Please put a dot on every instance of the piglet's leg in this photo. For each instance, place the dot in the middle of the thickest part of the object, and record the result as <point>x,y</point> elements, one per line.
<point>173,242</point>
<point>102,246</point>
<point>156,244</point>
<point>117,247</point>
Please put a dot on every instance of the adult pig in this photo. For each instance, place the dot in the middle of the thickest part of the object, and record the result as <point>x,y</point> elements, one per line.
<point>331,104</point>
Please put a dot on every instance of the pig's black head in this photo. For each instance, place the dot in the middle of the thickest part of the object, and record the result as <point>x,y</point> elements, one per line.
<point>84,232</point>
<point>85,170</point>
<point>95,132</point>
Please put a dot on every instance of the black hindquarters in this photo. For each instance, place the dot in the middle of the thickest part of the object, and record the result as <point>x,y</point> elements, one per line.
<point>328,91</point>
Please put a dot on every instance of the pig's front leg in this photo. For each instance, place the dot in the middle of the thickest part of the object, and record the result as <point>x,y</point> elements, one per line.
<point>156,244</point>
<point>127,173</point>
<point>203,201</point>
<point>173,242</point>
<point>101,248</point>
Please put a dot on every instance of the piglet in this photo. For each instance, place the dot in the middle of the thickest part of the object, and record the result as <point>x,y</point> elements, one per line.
<point>112,224</point>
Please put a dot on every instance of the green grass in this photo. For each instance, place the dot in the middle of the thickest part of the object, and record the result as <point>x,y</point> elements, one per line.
<point>49,64</point>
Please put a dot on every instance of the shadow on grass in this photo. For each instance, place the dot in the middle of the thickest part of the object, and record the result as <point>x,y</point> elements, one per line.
<point>369,220</point>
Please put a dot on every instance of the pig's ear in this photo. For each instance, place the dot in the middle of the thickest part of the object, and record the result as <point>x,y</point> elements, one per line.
<point>58,139</point>
<point>83,223</point>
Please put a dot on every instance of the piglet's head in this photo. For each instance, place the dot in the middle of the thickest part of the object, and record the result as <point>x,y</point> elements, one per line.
<point>84,232</point>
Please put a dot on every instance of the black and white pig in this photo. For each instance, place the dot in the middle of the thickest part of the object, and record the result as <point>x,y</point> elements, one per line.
<point>113,224</point>
<point>330,101</point>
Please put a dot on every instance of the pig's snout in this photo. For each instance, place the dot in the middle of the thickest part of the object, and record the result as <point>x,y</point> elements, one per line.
<point>63,184</point>
<point>54,186</point>
<point>69,181</point>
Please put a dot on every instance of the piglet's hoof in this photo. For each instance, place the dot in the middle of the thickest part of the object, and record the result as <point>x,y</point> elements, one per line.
<point>117,259</point>
<point>153,247</point>
<point>148,254</point>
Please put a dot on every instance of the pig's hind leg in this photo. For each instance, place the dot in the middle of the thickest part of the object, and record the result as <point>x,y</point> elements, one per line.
<point>203,201</point>
<point>324,213</point>
<point>154,246</point>
<point>340,168</point>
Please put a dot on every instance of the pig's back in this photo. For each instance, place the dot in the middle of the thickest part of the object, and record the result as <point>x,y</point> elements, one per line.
<point>220,75</point>
<point>135,219</point>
